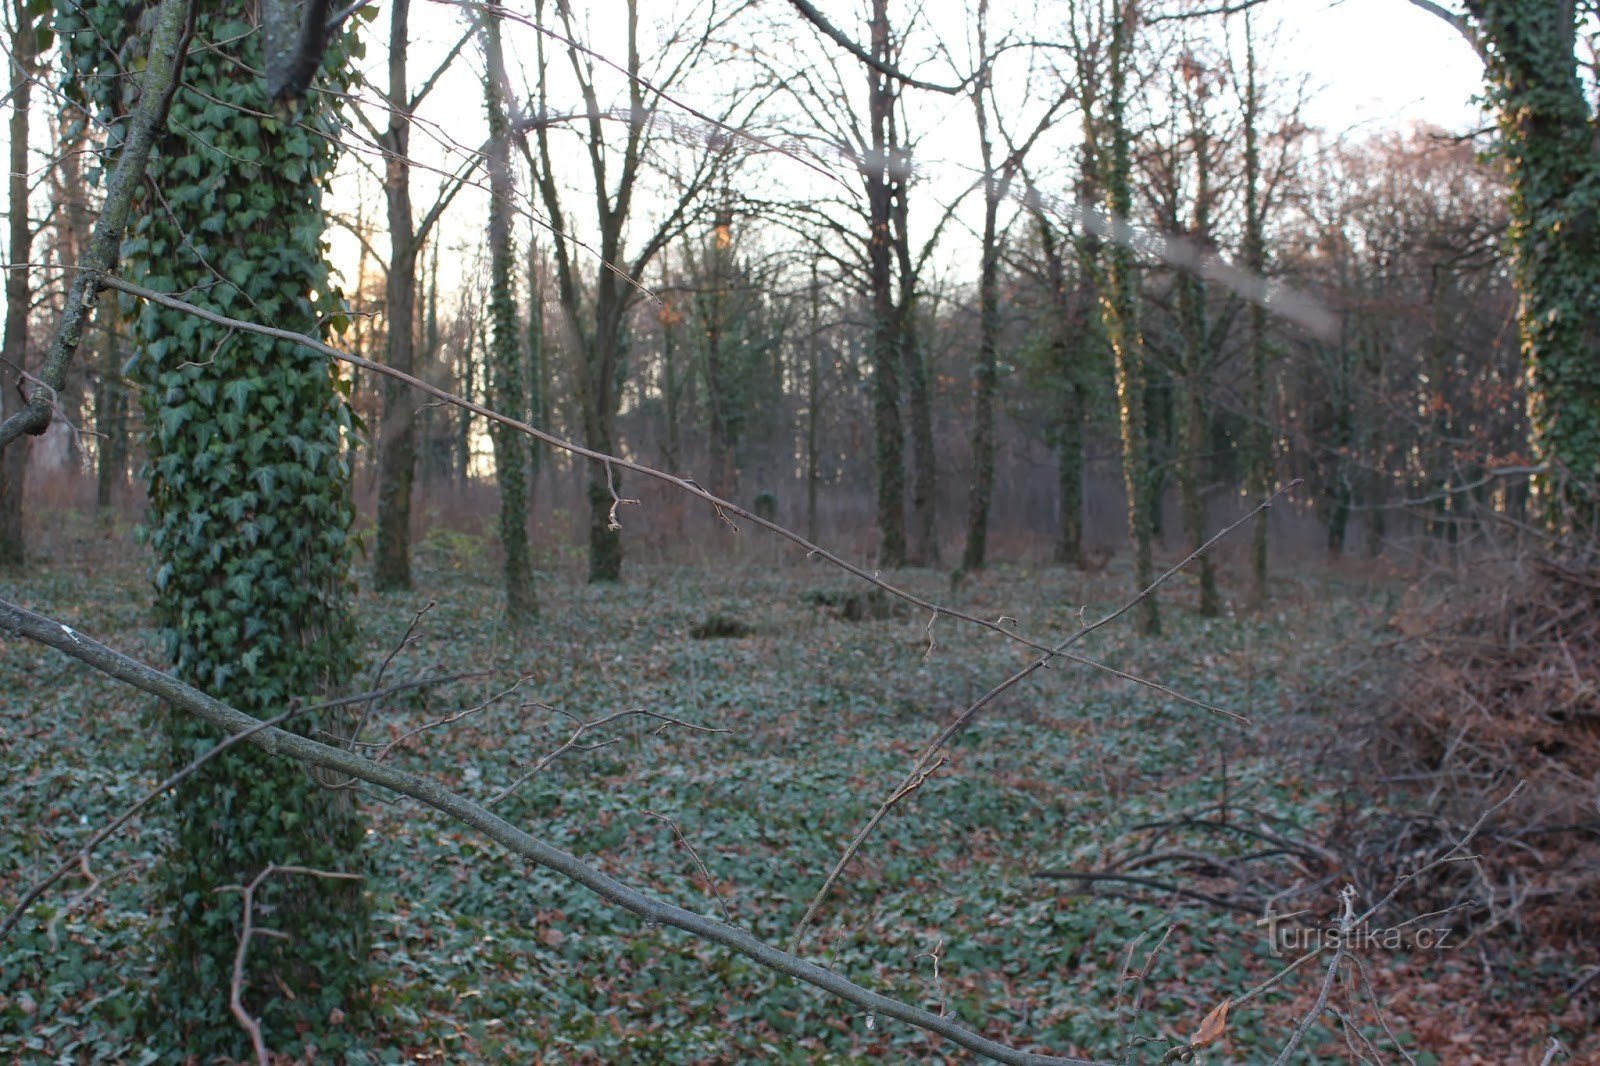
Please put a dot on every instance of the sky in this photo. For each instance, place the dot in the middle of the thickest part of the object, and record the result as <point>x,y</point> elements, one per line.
<point>1365,66</point>
<point>1378,63</point>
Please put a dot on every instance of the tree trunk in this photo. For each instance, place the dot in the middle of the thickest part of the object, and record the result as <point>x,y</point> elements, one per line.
<point>1550,144</point>
<point>1072,313</point>
<point>984,375</point>
<point>722,394</point>
<point>1194,401</point>
<point>110,416</point>
<point>538,389</point>
<point>250,529</point>
<point>397,434</point>
<point>1119,313</point>
<point>1258,466</point>
<point>888,434</point>
<point>813,400</point>
<point>507,370</point>
<point>19,294</point>
<point>924,534</point>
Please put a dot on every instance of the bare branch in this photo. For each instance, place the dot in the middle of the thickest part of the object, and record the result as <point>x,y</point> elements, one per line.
<point>1457,22</point>
<point>933,753</point>
<point>247,932</point>
<point>81,856</point>
<point>834,34</point>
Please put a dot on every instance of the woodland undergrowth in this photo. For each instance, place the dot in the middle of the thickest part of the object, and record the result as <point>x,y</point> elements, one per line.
<point>824,708</point>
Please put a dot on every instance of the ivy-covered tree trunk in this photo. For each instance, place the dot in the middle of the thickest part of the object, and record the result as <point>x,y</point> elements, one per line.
<point>250,528</point>
<point>1119,306</point>
<point>1550,142</point>
<point>505,356</point>
<point>19,293</point>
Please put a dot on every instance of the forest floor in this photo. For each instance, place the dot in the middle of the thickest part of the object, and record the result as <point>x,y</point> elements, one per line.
<point>825,701</point>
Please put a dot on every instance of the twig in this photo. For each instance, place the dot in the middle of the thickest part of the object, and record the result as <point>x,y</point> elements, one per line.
<point>383,752</point>
<point>1455,853</point>
<point>1377,1009</point>
<point>711,883</point>
<point>912,782</point>
<point>38,888</point>
<point>383,668</point>
<point>248,930</point>
<point>1555,1048</point>
<point>584,727</point>
<point>1347,921</point>
<point>1125,1024</point>
<point>1147,882</point>
<point>96,884</point>
<point>936,954</point>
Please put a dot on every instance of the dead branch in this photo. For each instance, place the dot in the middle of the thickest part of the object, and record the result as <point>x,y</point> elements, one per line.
<point>247,931</point>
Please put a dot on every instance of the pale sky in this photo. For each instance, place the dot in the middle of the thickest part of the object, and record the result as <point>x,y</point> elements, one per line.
<point>1381,63</point>
<point>1366,65</point>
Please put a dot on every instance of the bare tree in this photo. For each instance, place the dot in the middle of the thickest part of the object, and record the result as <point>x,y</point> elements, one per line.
<point>998,179</point>
<point>397,434</point>
<point>597,284</point>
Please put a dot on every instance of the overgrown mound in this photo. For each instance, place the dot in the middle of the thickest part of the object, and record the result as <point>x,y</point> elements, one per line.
<point>1497,680</point>
<point>1494,680</point>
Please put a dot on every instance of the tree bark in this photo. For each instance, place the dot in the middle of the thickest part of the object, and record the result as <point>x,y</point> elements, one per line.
<point>397,434</point>
<point>1258,466</point>
<point>881,179</point>
<point>984,375</point>
<point>19,291</point>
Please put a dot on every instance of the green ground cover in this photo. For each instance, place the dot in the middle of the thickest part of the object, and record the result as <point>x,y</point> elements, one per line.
<point>484,958</point>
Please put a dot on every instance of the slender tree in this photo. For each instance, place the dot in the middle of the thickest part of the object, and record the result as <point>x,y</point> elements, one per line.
<point>1000,173</point>
<point>598,283</point>
<point>1071,339</point>
<point>397,432</point>
<point>23,31</point>
<point>1258,393</point>
<point>1119,305</point>
<point>507,369</point>
<point>883,167</point>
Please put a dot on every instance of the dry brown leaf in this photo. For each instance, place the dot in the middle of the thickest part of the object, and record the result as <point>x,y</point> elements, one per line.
<point>1214,1025</point>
